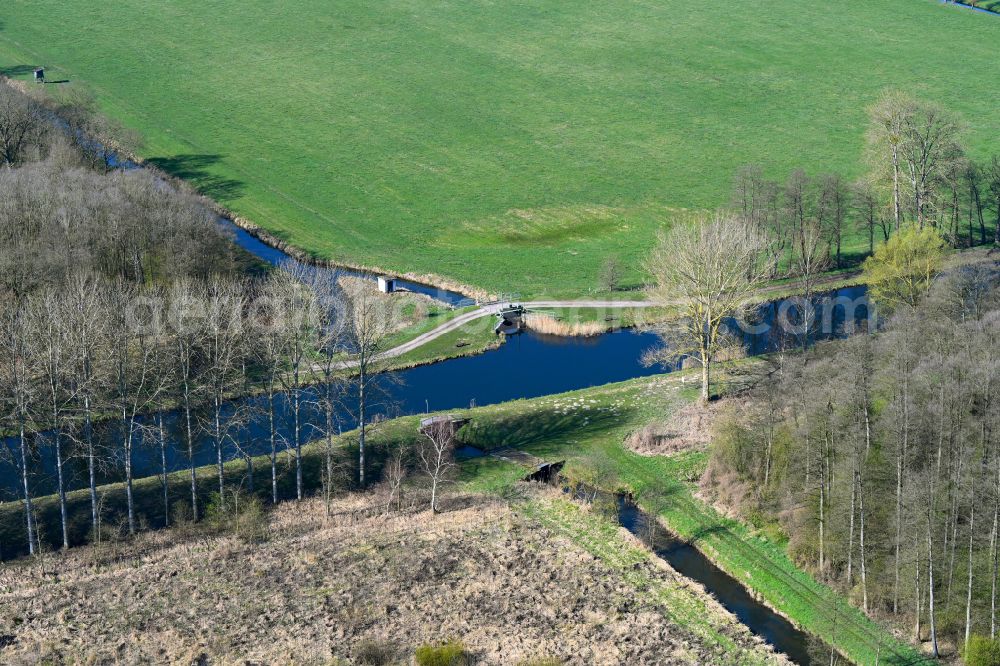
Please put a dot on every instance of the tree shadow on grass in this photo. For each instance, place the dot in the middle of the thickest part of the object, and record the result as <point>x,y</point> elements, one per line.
<point>540,430</point>
<point>16,70</point>
<point>195,170</point>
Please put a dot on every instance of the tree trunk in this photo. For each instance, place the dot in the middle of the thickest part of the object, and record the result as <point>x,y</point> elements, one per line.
<point>850,540</point>
<point>900,467</point>
<point>296,407</point>
<point>918,594</point>
<point>895,186</point>
<point>29,509</point>
<point>861,544</point>
<point>995,557</point>
<point>88,438</point>
<point>361,421</point>
<point>930,588</point>
<point>128,476</point>
<point>163,469</point>
<point>274,443</point>
<point>217,417</point>
<point>705,375</point>
<point>822,520</point>
<point>968,593</point>
<point>60,481</point>
<point>189,435</point>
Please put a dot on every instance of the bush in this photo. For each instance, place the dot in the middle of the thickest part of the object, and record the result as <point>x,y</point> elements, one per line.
<point>451,653</point>
<point>239,513</point>
<point>901,270</point>
<point>374,653</point>
<point>982,651</point>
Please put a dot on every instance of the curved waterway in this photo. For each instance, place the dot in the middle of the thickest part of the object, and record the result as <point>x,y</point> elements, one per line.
<point>276,257</point>
<point>526,366</point>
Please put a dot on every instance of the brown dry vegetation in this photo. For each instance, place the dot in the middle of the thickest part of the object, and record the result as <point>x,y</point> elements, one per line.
<point>548,325</point>
<point>320,591</point>
<point>688,427</point>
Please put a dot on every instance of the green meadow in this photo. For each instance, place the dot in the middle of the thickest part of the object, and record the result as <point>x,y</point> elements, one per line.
<point>506,145</point>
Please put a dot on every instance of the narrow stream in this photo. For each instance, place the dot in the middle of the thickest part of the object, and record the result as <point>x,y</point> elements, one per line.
<point>800,647</point>
<point>690,562</point>
<point>276,257</point>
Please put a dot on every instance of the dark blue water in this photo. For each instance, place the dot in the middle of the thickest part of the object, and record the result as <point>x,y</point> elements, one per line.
<point>525,366</point>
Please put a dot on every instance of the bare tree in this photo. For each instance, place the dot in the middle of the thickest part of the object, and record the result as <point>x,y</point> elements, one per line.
<point>270,316</point>
<point>224,345</point>
<point>974,182</point>
<point>370,321</point>
<point>137,382</point>
<point>395,474</point>
<point>708,268</point>
<point>798,204</point>
<point>993,178</point>
<point>869,212</point>
<point>928,150</point>
<point>298,331</point>
<point>436,453</point>
<point>834,204</point>
<point>186,320</point>
<point>89,351</point>
<point>809,263</point>
<point>330,323</point>
<point>888,118</point>
<point>49,353</point>
<point>21,124</point>
<point>18,398</point>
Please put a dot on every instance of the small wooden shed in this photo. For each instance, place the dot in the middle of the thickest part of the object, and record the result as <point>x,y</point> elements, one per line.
<point>40,74</point>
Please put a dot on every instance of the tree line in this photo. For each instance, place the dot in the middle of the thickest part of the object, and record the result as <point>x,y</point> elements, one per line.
<point>879,457</point>
<point>917,171</point>
<point>95,348</point>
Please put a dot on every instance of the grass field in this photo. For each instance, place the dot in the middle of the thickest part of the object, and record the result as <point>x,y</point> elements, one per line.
<point>505,145</point>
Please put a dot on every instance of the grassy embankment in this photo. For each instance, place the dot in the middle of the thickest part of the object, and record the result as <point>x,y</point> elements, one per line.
<point>467,140</point>
<point>587,428</point>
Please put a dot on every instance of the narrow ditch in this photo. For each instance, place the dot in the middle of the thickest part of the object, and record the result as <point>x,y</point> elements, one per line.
<point>800,647</point>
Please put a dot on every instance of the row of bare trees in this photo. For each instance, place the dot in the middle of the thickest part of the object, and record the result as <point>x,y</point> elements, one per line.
<point>917,172</point>
<point>121,298</point>
<point>880,455</point>
<point>103,349</point>
<point>58,124</point>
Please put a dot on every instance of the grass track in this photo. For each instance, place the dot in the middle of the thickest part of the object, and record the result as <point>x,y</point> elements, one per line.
<point>506,145</point>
